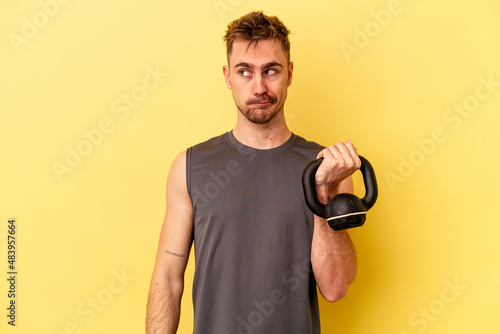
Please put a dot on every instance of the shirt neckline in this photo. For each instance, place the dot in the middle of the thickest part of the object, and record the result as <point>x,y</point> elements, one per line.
<point>242,147</point>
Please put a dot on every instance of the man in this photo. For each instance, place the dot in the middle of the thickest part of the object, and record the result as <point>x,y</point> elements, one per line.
<point>259,251</point>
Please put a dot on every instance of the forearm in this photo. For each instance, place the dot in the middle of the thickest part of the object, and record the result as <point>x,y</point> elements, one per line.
<point>333,256</point>
<point>163,310</point>
<point>333,260</point>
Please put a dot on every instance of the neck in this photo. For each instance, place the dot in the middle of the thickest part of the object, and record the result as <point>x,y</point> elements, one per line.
<point>262,136</point>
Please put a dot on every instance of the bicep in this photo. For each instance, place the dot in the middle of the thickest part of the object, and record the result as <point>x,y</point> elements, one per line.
<point>176,233</point>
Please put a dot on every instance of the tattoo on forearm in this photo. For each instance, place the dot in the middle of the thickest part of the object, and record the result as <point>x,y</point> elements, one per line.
<point>174,254</point>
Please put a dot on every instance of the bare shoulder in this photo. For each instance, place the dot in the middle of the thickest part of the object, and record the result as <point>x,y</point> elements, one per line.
<point>177,175</point>
<point>177,193</point>
<point>179,165</point>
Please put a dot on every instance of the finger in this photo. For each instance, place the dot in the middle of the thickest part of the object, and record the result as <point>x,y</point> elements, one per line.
<point>354,153</point>
<point>347,155</point>
<point>351,147</point>
<point>326,153</point>
<point>330,152</point>
<point>336,152</point>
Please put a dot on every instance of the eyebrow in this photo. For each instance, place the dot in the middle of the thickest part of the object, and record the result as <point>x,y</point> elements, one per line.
<point>266,65</point>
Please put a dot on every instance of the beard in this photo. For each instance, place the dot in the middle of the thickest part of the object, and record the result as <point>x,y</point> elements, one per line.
<point>261,114</point>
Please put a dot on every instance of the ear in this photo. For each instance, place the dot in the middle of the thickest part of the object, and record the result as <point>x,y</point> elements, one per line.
<point>227,78</point>
<point>290,73</point>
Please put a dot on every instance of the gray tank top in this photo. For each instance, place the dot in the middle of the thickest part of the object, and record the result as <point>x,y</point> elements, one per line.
<point>252,238</point>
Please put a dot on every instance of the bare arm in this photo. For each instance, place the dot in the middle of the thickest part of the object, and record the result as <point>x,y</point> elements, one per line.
<point>167,282</point>
<point>333,256</point>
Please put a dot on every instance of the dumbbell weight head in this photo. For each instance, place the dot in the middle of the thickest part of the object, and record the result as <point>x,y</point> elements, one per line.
<point>344,210</point>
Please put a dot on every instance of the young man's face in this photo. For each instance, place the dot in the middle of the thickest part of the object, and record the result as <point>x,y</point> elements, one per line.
<point>258,77</point>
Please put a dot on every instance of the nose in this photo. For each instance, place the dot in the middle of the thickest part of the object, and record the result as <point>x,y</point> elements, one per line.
<point>259,86</point>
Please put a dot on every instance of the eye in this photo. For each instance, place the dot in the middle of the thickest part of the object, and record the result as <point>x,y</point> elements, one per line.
<point>271,71</point>
<point>245,73</point>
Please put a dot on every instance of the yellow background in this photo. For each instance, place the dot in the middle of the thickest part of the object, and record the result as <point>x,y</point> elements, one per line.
<point>435,224</point>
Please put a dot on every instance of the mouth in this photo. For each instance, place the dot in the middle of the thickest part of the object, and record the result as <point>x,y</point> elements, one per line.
<point>261,105</point>
<point>262,101</point>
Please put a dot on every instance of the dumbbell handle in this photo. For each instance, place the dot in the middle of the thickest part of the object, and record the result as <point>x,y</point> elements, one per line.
<point>371,189</point>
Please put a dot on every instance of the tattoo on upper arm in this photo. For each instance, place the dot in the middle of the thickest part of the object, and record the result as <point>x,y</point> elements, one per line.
<point>174,254</point>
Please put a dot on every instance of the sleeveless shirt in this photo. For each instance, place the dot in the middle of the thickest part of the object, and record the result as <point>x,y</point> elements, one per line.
<point>252,238</point>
